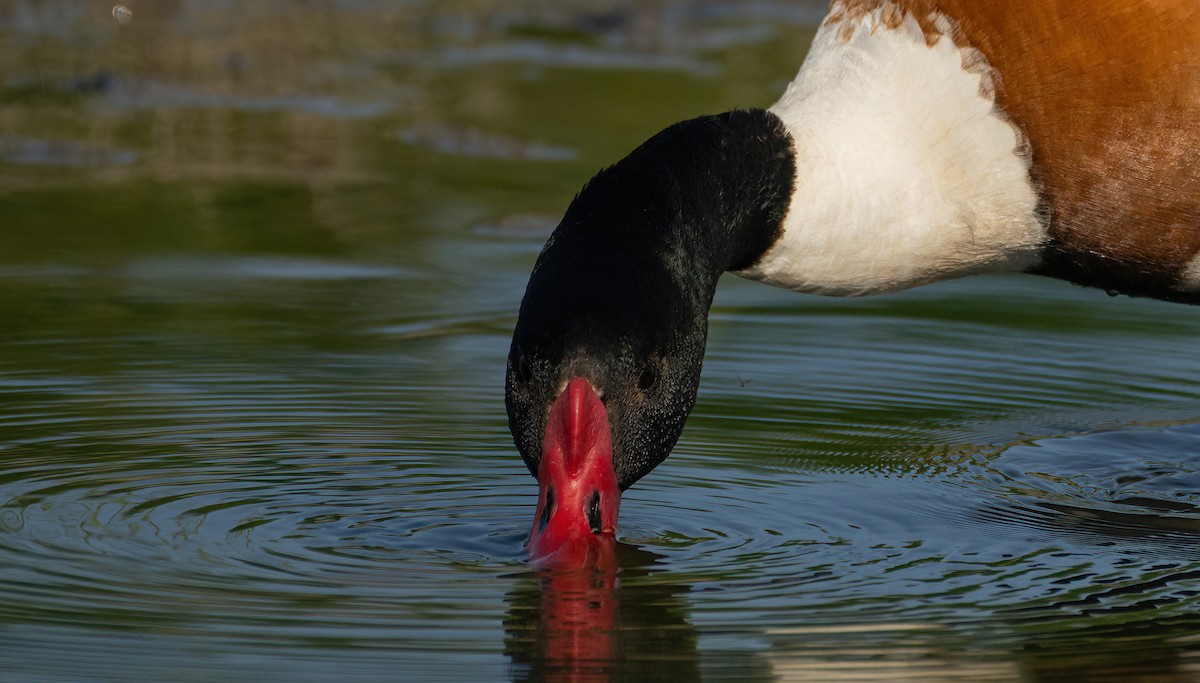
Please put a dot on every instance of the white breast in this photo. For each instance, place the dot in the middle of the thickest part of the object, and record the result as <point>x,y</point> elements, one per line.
<point>905,171</point>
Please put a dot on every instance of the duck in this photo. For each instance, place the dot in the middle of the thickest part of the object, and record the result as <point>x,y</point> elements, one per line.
<point>920,141</point>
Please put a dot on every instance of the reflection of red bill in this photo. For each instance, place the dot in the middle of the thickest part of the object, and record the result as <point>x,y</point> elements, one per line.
<point>579,621</point>
<point>578,500</point>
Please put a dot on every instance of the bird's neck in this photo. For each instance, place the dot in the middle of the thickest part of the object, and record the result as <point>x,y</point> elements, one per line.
<point>702,197</point>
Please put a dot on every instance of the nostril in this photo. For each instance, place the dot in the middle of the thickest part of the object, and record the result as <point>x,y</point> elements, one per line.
<point>547,510</point>
<point>593,513</point>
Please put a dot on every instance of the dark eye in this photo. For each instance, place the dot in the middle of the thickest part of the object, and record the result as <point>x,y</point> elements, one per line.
<point>524,374</point>
<point>648,378</point>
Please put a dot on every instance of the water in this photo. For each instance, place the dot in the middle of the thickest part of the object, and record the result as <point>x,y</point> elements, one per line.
<point>260,269</point>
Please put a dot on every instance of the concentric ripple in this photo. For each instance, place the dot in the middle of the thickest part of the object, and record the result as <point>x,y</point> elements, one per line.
<point>246,485</point>
<point>252,491</point>
<point>287,477</point>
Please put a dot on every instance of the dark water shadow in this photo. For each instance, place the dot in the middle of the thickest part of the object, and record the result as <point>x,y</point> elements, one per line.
<point>1163,651</point>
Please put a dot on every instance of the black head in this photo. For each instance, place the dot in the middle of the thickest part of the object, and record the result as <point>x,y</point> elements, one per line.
<point>620,293</point>
<point>630,332</point>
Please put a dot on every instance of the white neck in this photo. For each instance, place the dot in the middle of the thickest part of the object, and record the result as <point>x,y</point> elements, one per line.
<point>906,173</point>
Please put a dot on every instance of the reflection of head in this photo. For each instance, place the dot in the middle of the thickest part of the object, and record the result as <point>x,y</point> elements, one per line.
<point>584,625</point>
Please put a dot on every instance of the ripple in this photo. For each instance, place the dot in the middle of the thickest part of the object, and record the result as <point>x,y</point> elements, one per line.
<point>1105,485</point>
<point>234,501</point>
<point>68,153</point>
<point>472,142</point>
<point>222,478</point>
<point>559,56</point>
<point>1051,530</point>
<point>147,94</point>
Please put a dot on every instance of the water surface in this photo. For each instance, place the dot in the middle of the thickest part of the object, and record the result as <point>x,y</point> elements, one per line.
<point>260,269</point>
